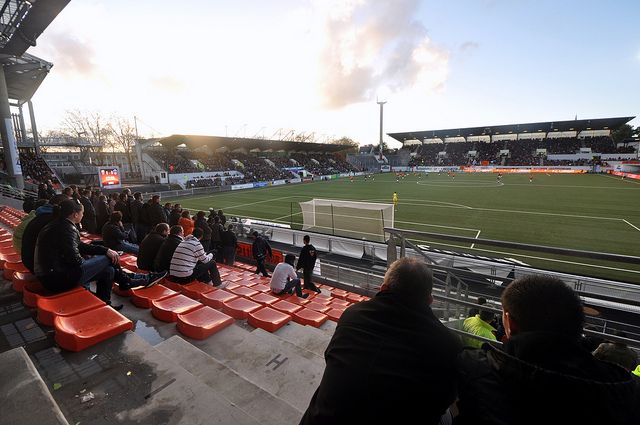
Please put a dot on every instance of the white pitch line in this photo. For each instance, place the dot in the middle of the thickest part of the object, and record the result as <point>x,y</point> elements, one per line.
<point>476,238</point>
<point>621,180</point>
<point>631,225</point>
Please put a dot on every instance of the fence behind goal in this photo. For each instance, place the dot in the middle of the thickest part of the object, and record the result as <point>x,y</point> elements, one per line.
<point>352,219</point>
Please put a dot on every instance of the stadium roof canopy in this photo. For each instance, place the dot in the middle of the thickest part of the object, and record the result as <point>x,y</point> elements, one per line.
<point>536,127</point>
<point>21,23</point>
<point>233,143</point>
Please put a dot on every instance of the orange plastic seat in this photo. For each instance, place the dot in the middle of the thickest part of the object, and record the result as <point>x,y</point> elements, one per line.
<point>334,314</point>
<point>178,287</point>
<point>167,309</point>
<point>355,298</point>
<point>12,257</point>
<point>216,298</point>
<point>297,300</point>
<point>18,284</point>
<point>202,322</point>
<point>268,319</point>
<point>16,267</point>
<point>338,306</point>
<point>339,293</point>
<point>240,308</point>
<point>116,290</point>
<point>143,297</point>
<point>243,291</point>
<point>322,299</point>
<point>196,289</point>
<point>310,317</point>
<point>261,287</point>
<point>317,307</point>
<point>66,305</point>
<point>78,332</point>
<point>264,299</point>
<point>336,301</point>
<point>33,290</point>
<point>286,307</point>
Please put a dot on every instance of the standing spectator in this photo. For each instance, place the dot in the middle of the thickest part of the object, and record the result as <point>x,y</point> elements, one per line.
<point>223,219</point>
<point>59,262</point>
<point>44,215</point>
<point>68,192</point>
<point>306,262</point>
<point>390,360</point>
<point>116,237</point>
<point>190,262</point>
<point>186,222</point>
<point>102,212</point>
<point>475,310</point>
<point>542,375</point>
<point>42,191</point>
<point>28,204</point>
<point>167,211</point>
<point>156,213</point>
<point>150,246</point>
<point>201,223</point>
<point>162,262</point>
<point>89,222</point>
<point>123,205</point>
<point>229,245</point>
<point>51,192</point>
<point>174,216</point>
<point>480,325</point>
<point>137,218</point>
<point>216,237</point>
<point>260,249</point>
<point>113,198</point>
<point>284,279</point>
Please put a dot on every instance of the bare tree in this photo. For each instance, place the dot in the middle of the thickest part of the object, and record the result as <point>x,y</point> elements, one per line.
<point>90,126</point>
<point>123,137</point>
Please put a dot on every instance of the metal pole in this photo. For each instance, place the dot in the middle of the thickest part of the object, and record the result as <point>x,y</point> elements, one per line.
<point>34,129</point>
<point>333,225</point>
<point>381,124</point>
<point>9,142</point>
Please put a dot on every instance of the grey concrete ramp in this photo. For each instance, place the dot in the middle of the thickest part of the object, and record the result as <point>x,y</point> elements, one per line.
<point>329,327</point>
<point>307,337</point>
<point>260,404</point>
<point>24,397</point>
<point>280,367</point>
<point>127,381</point>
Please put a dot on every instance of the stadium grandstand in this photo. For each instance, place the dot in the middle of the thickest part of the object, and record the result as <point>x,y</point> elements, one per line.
<point>123,344</point>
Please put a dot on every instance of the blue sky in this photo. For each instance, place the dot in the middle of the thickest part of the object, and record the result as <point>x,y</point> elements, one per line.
<point>254,67</point>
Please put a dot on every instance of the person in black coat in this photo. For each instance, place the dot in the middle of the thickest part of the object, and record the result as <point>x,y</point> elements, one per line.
<point>260,249</point>
<point>102,212</point>
<point>124,206</point>
<point>229,244</point>
<point>201,223</point>
<point>89,222</point>
<point>42,191</point>
<point>137,217</point>
<point>306,262</point>
<point>542,374</point>
<point>44,215</point>
<point>162,262</point>
<point>156,212</point>
<point>115,237</point>
<point>150,247</point>
<point>390,360</point>
<point>175,214</point>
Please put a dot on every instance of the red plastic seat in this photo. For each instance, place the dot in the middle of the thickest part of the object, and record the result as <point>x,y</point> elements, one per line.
<point>261,287</point>
<point>334,314</point>
<point>243,291</point>
<point>286,307</point>
<point>310,317</point>
<point>116,290</point>
<point>268,319</point>
<point>322,299</point>
<point>178,287</point>
<point>264,299</point>
<point>33,290</point>
<point>339,293</point>
<point>338,306</point>
<point>317,307</point>
<point>18,284</point>
<point>167,309</point>
<point>66,305</point>
<point>24,276</point>
<point>202,322</point>
<point>16,267</point>
<point>78,332</point>
<point>143,297</point>
<point>336,301</point>
<point>355,298</point>
<point>216,298</point>
<point>240,308</point>
<point>196,289</point>
<point>12,257</point>
<point>296,299</point>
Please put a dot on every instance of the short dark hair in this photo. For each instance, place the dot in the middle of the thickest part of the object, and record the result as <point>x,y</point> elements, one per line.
<point>137,195</point>
<point>115,217</point>
<point>185,213</point>
<point>255,233</point>
<point>200,214</point>
<point>544,303</point>
<point>58,199</point>
<point>487,315</point>
<point>306,238</point>
<point>409,278</point>
<point>69,206</point>
<point>155,198</point>
<point>290,259</point>
<point>176,230</point>
<point>161,227</point>
<point>197,233</point>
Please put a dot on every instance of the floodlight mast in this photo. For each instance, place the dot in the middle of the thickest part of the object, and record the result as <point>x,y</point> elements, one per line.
<point>381,103</point>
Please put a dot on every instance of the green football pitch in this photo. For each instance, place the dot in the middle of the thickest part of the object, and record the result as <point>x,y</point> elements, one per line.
<point>585,212</point>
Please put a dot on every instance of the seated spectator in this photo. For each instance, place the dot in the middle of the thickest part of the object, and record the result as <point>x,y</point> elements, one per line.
<point>618,353</point>
<point>480,325</point>
<point>542,375</point>
<point>162,262</point>
<point>229,245</point>
<point>284,279</point>
<point>115,237</point>
<point>190,262</point>
<point>150,246</point>
<point>390,360</point>
<point>44,215</point>
<point>59,262</point>
<point>18,231</point>
<point>186,222</point>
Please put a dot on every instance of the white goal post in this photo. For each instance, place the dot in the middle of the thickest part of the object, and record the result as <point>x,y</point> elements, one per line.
<point>353,219</point>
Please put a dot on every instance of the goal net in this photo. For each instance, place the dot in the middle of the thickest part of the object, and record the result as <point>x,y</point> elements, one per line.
<point>347,218</point>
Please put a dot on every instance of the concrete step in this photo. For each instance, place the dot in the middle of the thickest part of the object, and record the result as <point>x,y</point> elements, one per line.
<point>307,337</point>
<point>132,382</point>
<point>277,366</point>
<point>260,404</point>
<point>24,395</point>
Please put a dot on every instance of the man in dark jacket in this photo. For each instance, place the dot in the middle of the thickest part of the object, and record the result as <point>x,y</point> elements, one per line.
<point>542,375</point>
<point>201,223</point>
<point>167,211</point>
<point>216,238</point>
<point>260,249</point>
<point>102,212</point>
<point>124,206</point>
<point>150,246</point>
<point>156,212</point>
<point>162,262</point>
<point>229,244</point>
<point>44,215</point>
<point>89,223</point>
<point>115,237</point>
<point>137,218</point>
<point>390,360</point>
<point>59,262</point>
<point>175,214</point>
<point>306,262</point>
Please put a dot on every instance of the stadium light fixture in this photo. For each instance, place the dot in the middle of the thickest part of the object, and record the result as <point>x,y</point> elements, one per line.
<point>381,102</point>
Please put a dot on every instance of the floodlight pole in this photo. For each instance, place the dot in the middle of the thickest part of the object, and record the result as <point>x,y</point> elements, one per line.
<point>381,103</point>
